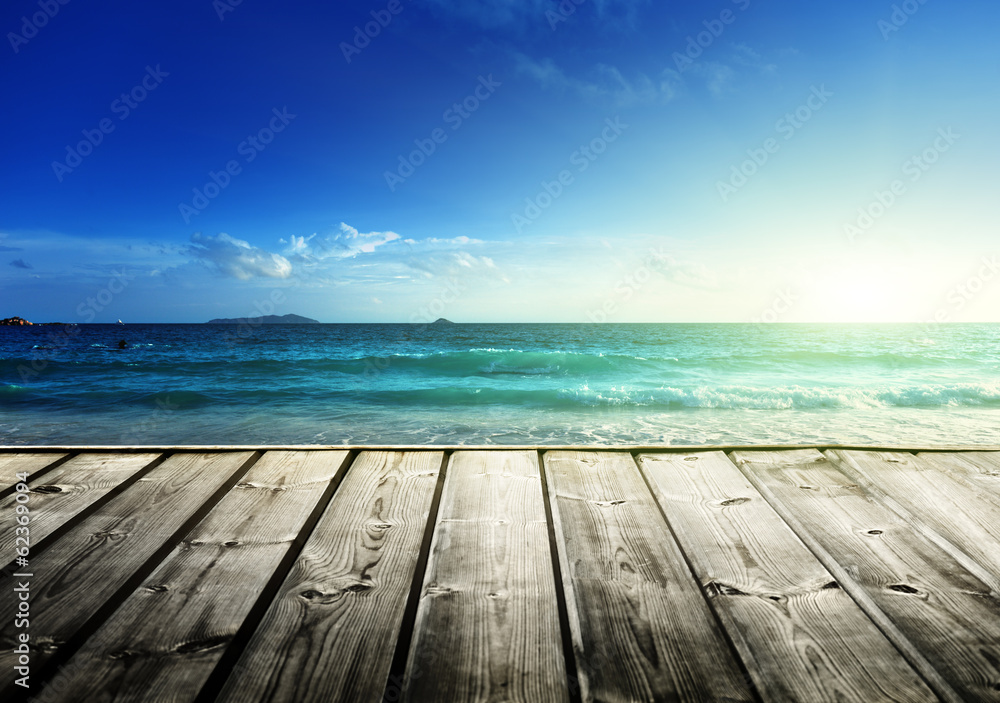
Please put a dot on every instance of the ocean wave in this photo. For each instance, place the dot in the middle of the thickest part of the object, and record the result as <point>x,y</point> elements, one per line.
<point>702,397</point>
<point>479,361</point>
<point>306,394</point>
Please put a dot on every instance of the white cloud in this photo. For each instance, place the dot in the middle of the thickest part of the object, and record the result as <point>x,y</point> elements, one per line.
<point>718,77</point>
<point>238,259</point>
<point>436,243</point>
<point>459,264</point>
<point>347,243</point>
<point>745,56</point>
<point>607,83</point>
<point>507,14</point>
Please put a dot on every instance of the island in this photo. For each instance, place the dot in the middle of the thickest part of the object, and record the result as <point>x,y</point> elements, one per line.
<point>288,319</point>
<point>442,321</point>
<point>15,321</point>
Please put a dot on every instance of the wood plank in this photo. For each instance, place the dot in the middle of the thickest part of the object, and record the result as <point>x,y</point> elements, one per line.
<point>800,635</point>
<point>487,628</point>
<point>83,569</point>
<point>947,511</point>
<point>330,633</point>
<point>944,619</point>
<point>641,628</point>
<point>166,638</point>
<point>59,495</point>
<point>980,470</point>
<point>24,462</point>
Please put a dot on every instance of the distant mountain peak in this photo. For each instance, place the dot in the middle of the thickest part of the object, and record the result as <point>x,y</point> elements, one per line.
<point>442,321</point>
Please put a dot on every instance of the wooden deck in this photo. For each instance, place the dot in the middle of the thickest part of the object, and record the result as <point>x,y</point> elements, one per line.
<point>528,574</point>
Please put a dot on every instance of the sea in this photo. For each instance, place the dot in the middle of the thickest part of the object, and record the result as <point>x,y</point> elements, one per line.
<point>500,384</point>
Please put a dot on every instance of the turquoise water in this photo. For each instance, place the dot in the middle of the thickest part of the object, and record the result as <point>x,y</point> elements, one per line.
<point>502,384</point>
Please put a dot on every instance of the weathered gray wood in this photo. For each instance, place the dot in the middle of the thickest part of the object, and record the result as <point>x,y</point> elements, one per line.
<point>86,566</point>
<point>800,635</point>
<point>981,470</point>
<point>641,628</point>
<point>330,633</point>
<point>24,462</point>
<point>59,495</point>
<point>166,638</point>
<point>947,511</point>
<point>487,627</point>
<point>943,618</point>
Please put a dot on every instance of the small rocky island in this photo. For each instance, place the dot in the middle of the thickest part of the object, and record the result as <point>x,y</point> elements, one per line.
<point>15,321</point>
<point>442,321</point>
<point>265,320</point>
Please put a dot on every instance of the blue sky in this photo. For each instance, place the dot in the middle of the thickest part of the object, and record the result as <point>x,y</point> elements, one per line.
<point>507,160</point>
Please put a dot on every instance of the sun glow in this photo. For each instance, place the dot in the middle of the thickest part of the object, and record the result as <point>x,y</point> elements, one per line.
<point>869,294</point>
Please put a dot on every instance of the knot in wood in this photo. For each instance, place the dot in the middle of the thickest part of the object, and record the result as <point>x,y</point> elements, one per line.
<point>435,590</point>
<point>715,588</point>
<point>734,501</point>
<point>202,645</point>
<point>120,654</point>
<point>46,489</point>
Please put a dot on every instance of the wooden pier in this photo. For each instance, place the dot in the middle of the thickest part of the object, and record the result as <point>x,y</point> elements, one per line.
<point>504,574</point>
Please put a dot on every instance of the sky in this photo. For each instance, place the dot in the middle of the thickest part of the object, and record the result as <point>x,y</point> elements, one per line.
<point>500,161</point>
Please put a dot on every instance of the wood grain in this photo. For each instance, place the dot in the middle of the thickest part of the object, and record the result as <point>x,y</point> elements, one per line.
<point>59,495</point>
<point>641,628</point>
<point>800,635</point>
<point>943,618</point>
<point>331,631</point>
<point>85,567</point>
<point>23,462</point>
<point>980,470</point>
<point>165,639</point>
<point>487,627</point>
<point>947,511</point>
